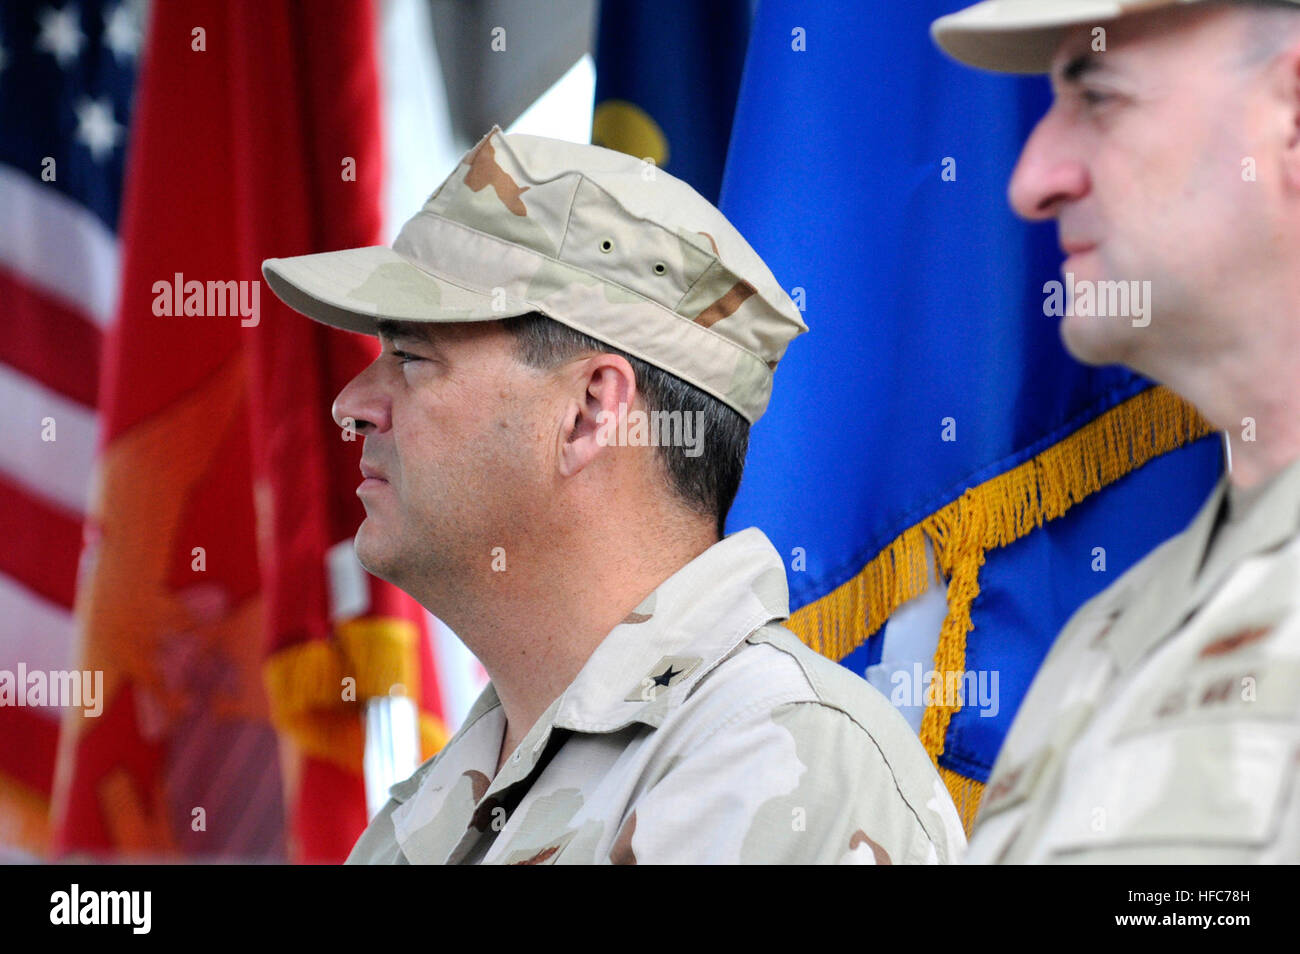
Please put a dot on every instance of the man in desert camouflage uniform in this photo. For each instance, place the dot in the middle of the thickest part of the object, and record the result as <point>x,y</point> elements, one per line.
<point>1164,725</point>
<point>646,705</point>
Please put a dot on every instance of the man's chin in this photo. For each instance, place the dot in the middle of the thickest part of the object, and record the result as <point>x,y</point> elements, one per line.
<point>372,556</point>
<point>1089,343</point>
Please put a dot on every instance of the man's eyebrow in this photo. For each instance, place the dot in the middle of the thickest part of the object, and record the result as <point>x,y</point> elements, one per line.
<point>1079,66</point>
<point>405,330</point>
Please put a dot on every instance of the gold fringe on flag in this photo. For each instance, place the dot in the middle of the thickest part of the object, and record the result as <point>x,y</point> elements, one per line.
<point>24,817</point>
<point>313,706</point>
<point>992,514</point>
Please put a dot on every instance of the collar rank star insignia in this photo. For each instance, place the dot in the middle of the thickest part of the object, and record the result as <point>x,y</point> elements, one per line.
<point>663,675</point>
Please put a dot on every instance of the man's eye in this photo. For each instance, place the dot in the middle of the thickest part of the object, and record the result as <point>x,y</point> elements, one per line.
<point>1095,97</point>
<point>404,356</point>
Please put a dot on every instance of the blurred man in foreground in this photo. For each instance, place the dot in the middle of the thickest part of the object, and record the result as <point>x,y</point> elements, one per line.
<point>1165,723</point>
<point>575,345</point>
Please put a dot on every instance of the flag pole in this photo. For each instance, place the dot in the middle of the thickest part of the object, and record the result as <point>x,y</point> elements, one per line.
<point>392,744</point>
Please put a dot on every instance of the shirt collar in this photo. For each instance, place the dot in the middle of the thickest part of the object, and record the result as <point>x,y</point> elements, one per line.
<point>1146,615</point>
<point>648,663</point>
<point>1259,519</point>
<point>1282,491</point>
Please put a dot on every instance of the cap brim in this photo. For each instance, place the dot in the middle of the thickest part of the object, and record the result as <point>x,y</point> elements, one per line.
<point>1021,36</point>
<point>354,288</point>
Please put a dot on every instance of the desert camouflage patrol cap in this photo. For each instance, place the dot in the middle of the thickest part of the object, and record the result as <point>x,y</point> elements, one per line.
<point>600,241</point>
<point>1020,36</point>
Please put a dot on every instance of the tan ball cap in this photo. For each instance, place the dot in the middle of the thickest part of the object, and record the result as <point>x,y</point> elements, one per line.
<point>600,241</point>
<point>1020,36</point>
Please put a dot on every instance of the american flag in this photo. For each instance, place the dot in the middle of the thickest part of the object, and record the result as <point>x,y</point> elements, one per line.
<point>67,73</point>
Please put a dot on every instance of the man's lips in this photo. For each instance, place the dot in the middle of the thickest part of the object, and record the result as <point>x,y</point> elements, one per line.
<point>1076,246</point>
<point>371,474</point>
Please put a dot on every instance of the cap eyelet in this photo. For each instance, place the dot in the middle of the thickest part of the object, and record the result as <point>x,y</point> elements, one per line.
<point>660,268</point>
<point>607,245</point>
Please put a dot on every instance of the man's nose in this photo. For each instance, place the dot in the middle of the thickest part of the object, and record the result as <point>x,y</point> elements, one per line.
<point>362,404</point>
<point>1048,175</point>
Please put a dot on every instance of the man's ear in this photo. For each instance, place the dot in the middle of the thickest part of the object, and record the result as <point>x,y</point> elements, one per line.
<point>606,388</point>
<point>1288,90</point>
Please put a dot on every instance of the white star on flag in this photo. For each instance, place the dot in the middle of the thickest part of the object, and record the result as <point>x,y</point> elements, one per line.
<point>61,34</point>
<point>96,127</point>
<point>122,31</point>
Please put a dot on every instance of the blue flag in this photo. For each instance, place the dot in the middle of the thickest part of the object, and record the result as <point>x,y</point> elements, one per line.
<point>667,74</point>
<point>930,436</point>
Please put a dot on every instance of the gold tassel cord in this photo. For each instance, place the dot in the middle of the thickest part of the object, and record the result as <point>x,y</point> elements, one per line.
<point>966,794</point>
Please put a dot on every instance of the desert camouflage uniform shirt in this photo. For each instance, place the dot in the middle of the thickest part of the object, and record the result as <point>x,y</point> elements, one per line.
<point>700,730</point>
<point>1164,725</point>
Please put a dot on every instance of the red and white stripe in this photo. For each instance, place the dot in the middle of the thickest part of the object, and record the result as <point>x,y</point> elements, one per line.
<point>59,276</point>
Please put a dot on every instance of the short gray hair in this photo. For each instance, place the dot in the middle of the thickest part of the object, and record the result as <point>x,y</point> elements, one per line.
<point>1267,34</point>
<point>706,483</point>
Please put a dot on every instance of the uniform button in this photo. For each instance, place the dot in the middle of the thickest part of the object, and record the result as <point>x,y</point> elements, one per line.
<point>515,758</point>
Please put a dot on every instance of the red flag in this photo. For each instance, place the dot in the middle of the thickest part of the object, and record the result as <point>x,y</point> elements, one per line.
<point>225,486</point>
